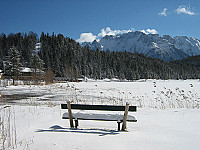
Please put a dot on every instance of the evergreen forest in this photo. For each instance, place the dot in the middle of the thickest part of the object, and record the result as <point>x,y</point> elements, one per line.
<point>69,61</point>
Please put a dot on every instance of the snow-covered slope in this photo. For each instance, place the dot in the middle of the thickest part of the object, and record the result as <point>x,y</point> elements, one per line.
<point>166,48</point>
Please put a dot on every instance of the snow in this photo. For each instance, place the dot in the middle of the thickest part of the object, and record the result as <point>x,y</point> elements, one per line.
<point>25,69</point>
<point>165,46</point>
<point>92,116</point>
<point>188,45</point>
<point>168,116</point>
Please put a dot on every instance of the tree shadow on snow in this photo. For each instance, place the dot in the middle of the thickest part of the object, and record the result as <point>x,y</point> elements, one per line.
<point>101,132</point>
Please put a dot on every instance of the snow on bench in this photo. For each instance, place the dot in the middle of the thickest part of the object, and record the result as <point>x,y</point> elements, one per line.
<point>94,116</point>
<point>102,117</point>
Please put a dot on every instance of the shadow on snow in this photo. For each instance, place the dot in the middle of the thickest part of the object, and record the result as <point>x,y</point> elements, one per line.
<point>101,132</point>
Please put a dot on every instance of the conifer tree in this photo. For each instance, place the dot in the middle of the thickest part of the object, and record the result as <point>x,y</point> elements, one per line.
<point>37,67</point>
<point>13,65</point>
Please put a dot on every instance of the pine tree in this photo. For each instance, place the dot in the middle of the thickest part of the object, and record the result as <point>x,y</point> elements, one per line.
<point>37,67</point>
<point>13,65</point>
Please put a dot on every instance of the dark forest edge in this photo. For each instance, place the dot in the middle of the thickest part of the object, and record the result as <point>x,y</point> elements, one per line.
<point>69,61</point>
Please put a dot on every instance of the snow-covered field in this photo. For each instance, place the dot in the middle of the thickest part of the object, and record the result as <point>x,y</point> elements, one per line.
<point>168,116</point>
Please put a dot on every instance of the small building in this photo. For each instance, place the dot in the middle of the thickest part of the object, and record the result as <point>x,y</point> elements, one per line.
<point>28,74</point>
<point>79,79</point>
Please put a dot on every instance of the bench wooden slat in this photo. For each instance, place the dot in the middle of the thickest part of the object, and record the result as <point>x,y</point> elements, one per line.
<point>100,117</point>
<point>98,107</point>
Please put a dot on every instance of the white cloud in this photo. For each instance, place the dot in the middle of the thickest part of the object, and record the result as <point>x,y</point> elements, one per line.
<point>149,31</point>
<point>152,31</point>
<point>89,37</point>
<point>164,12</point>
<point>108,31</point>
<point>143,31</point>
<point>184,10</point>
<point>86,37</point>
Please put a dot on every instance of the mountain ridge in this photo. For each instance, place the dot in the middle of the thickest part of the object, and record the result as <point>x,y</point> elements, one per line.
<point>164,47</point>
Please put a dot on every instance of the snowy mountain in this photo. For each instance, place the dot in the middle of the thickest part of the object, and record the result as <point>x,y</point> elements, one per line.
<point>166,48</point>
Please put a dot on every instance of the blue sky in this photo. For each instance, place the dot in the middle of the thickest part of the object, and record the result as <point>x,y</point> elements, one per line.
<point>96,18</point>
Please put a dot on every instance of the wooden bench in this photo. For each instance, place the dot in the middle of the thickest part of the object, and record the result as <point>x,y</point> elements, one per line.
<point>102,117</point>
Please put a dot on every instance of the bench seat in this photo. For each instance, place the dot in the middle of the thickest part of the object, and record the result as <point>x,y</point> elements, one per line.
<point>101,117</point>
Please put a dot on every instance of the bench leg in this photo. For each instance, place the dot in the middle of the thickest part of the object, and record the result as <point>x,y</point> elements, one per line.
<point>125,117</point>
<point>70,114</point>
<point>76,123</point>
<point>118,122</point>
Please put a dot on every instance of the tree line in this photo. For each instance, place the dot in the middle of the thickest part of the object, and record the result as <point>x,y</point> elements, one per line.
<point>68,60</point>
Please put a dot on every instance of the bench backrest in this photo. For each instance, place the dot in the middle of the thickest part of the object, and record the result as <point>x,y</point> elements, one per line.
<point>99,107</point>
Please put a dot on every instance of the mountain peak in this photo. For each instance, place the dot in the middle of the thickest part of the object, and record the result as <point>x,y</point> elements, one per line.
<point>166,48</point>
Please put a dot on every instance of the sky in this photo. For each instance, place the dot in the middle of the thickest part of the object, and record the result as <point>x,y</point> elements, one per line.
<point>86,20</point>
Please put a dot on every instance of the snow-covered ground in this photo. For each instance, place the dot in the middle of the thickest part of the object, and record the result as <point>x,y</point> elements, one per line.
<point>168,116</point>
